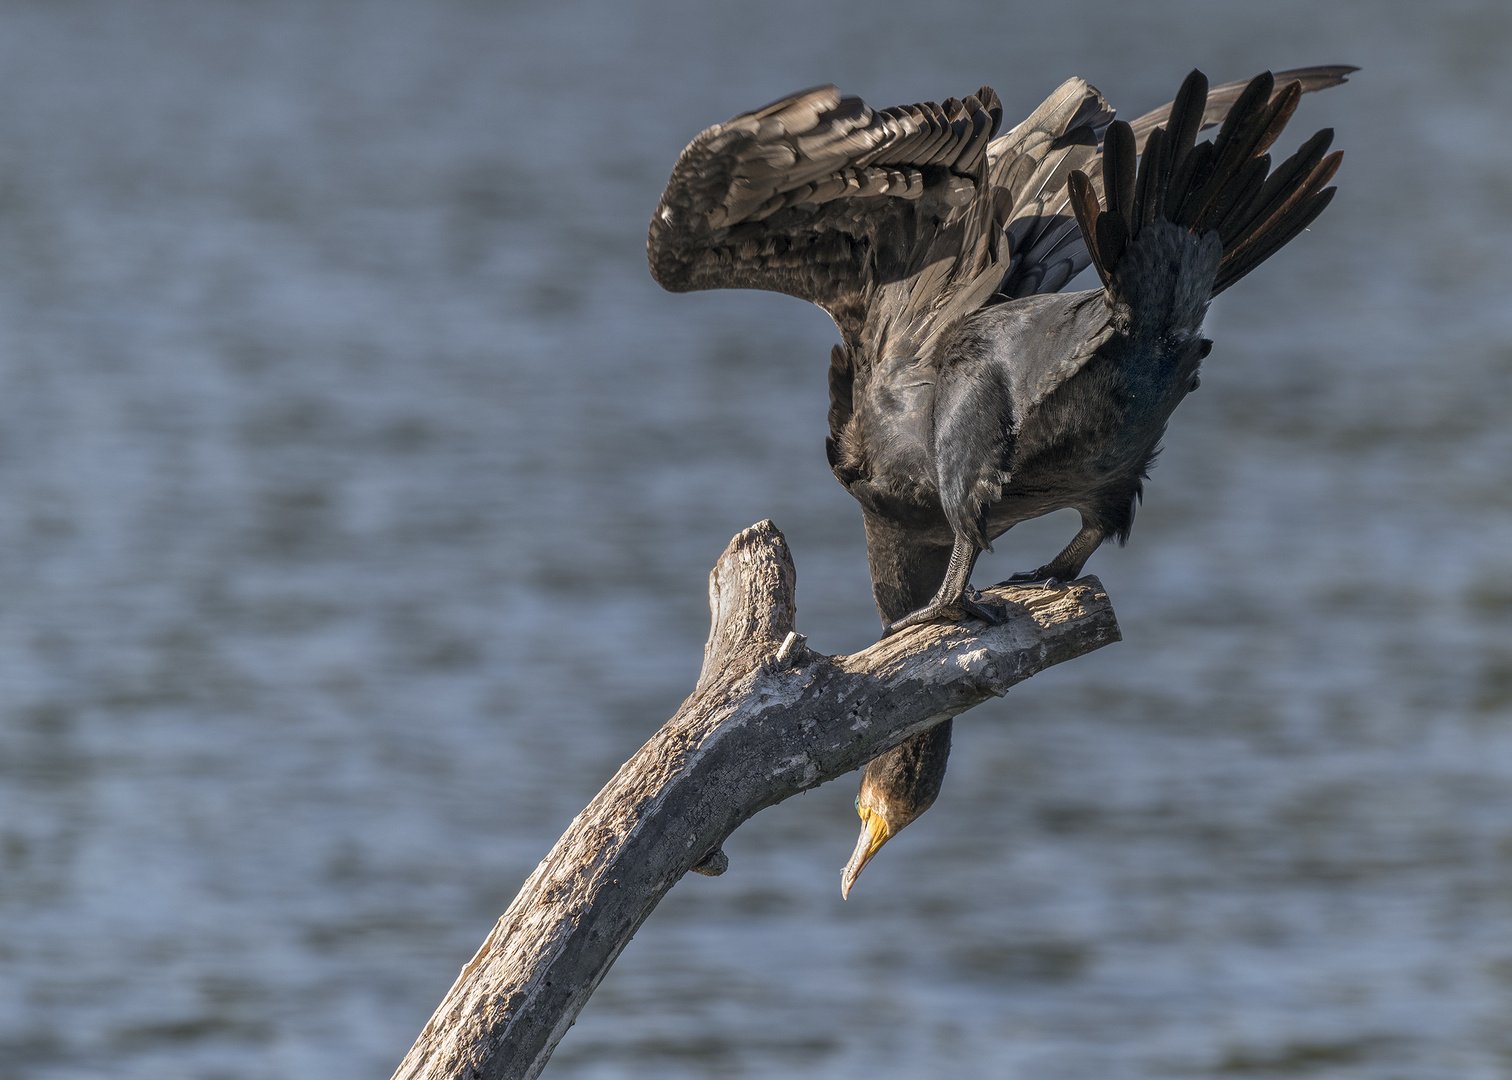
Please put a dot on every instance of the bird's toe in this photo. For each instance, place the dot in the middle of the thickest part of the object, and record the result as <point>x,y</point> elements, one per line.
<point>975,607</point>
<point>1044,577</point>
<point>968,605</point>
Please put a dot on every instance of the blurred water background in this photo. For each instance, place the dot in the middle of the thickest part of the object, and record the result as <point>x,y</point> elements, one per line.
<point>358,490</point>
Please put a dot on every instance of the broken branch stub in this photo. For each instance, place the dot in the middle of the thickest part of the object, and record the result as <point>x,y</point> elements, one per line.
<point>768,718</point>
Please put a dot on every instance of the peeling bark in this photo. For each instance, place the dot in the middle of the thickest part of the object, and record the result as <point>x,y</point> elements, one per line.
<point>768,718</point>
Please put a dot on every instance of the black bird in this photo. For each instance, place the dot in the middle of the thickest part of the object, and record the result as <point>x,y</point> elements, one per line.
<point>966,396</point>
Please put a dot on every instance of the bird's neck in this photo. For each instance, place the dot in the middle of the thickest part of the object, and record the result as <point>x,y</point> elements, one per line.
<point>905,572</point>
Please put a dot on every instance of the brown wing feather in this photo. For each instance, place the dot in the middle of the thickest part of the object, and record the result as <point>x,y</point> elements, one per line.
<point>823,198</point>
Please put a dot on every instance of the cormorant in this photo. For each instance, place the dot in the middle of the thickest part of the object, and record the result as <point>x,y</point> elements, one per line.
<point>966,395</point>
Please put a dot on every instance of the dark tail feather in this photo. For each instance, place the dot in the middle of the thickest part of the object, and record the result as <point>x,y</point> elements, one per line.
<point>1144,202</point>
<point>1265,244</point>
<point>1118,174</point>
<point>1220,186</point>
<point>1084,205</point>
<point>1180,158</point>
<point>1307,168</point>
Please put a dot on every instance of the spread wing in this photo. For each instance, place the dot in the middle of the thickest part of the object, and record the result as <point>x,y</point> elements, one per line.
<point>898,222</point>
<point>823,198</point>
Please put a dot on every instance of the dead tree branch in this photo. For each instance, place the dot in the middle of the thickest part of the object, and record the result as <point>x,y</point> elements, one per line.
<point>769,718</point>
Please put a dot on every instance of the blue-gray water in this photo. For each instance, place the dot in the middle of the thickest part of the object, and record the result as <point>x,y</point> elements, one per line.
<point>358,489</point>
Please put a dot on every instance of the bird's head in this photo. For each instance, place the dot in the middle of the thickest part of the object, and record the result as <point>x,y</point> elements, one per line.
<point>880,820</point>
<point>874,833</point>
<point>896,787</point>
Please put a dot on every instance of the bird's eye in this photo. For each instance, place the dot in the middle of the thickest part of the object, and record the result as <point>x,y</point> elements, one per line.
<point>858,804</point>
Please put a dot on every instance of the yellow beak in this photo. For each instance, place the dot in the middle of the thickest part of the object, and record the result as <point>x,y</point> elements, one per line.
<point>874,833</point>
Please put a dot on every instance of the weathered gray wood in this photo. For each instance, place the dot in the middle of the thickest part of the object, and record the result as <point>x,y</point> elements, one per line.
<point>769,718</point>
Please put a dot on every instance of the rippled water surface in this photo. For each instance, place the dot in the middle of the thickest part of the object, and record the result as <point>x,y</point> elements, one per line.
<point>358,489</point>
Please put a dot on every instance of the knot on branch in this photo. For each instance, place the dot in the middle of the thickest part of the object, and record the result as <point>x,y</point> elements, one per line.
<point>713,864</point>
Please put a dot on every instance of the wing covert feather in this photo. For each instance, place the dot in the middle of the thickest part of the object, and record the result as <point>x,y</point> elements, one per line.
<point>819,196</point>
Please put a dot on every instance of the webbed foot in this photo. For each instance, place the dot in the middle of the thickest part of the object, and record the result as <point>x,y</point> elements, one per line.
<point>1065,567</point>
<point>969,605</point>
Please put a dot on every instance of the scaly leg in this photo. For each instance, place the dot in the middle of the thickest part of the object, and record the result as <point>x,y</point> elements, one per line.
<point>1067,566</point>
<point>956,599</point>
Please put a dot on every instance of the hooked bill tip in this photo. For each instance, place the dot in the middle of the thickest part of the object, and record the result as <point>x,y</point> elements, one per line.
<point>873,836</point>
